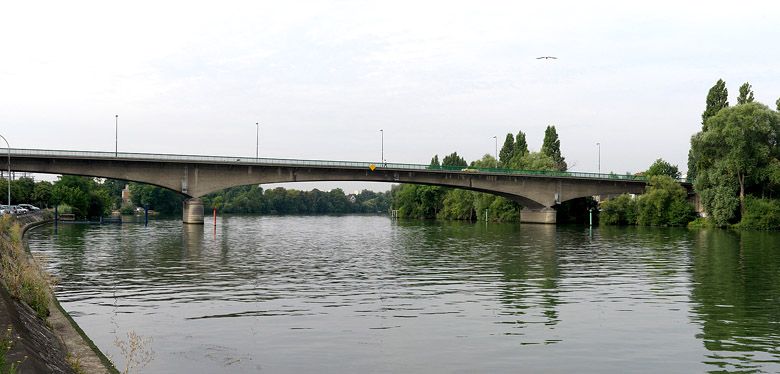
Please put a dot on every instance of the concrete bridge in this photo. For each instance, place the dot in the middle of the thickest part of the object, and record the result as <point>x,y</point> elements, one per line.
<point>195,176</point>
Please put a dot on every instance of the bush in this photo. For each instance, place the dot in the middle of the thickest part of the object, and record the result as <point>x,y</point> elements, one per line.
<point>25,281</point>
<point>618,211</point>
<point>760,214</point>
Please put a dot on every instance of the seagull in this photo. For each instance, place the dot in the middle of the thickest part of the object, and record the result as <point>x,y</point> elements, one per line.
<point>547,58</point>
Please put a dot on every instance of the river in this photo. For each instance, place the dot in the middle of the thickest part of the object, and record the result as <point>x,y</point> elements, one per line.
<point>368,294</point>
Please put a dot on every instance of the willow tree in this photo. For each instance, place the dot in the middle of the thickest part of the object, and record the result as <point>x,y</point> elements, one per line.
<point>739,144</point>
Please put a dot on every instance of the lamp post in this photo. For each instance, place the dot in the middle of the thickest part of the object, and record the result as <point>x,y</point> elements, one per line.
<point>382,140</point>
<point>9,171</point>
<point>496,139</point>
<point>257,142</point>
<point>116,135</point>
<point>599,147</point>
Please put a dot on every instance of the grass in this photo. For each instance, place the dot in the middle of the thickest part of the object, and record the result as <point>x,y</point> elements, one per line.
<point>24,280</point>
<point>6,343</point>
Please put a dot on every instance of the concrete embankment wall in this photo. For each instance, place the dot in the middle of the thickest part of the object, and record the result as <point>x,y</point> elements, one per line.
<point>56,345</point>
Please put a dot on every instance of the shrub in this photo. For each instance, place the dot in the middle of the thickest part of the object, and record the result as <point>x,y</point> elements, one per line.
<point>760,214</point>
<point>618,211</point>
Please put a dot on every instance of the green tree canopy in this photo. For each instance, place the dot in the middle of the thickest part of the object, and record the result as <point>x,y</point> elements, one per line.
<point>552,148</point>
<point>521,145</point>
<point>507,150</point>
<point>435,161</point>
<point>745,94</point>
<point>717,99</point>
<point>661,167</point>
<point>454,160</point>
<point>739,146</point>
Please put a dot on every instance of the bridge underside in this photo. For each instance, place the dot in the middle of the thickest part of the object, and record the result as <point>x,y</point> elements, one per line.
<point>537,194</point>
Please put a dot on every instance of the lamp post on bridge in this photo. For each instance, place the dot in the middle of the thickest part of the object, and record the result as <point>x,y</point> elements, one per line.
<point>116,135</point>
<point>382,140</point>
<point>8,179</point>
<point>599,147</point>
<point>257,142</point>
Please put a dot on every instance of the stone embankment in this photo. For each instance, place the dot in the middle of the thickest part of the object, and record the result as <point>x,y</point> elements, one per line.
<point>51,345</point>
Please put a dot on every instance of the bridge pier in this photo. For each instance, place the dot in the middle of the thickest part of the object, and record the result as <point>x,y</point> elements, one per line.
<point>192,211</point>
<point>544,215</point>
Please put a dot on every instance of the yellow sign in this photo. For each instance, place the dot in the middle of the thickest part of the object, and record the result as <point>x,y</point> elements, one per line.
<point>372,167</point>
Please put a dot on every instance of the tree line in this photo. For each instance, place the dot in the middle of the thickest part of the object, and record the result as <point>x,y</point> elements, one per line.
<point>434,202</point>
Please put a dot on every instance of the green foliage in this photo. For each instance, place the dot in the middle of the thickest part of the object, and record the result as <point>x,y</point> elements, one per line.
<point>739,148</point>
<point>760,214</point>
<point>700,223</point>
<point>552,148</point>
<point>24,280</point>
<point>159,199</point>
<point>253,199</point>
<point>721,204</point>
<point>717,99</point>
<point>454,160</point>
<point>458,205</point>
<point>661,167</point>
<point>777,103</point>
<point>534,161</point>
<point>435,161</point>
<point>486,162</point>
<point>691,174</point>
<point>745,94</point>
<point>418,201</point>
<point>621,211</point>
<point>521,145</point>
<point>507,150</point>
<point>664,204</point>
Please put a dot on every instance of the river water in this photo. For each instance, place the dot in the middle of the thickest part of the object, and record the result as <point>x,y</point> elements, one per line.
<point>368,294</point>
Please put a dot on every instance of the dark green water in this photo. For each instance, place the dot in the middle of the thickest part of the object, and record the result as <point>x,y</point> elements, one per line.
<point>366,294</point>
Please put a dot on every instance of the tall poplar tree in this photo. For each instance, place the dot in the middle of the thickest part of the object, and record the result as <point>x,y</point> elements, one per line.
<point>745,94</point>
<point>521,146</point>
<point>507,150</point>
<point>552,147</point>
<point>717,99</point>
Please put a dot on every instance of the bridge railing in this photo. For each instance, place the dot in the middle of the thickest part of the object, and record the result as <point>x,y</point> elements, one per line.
<point>314,163</point>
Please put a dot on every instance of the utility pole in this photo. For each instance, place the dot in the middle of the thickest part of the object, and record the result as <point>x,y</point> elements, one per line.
<point>496,139</point>
<point>257,142</point>
<point>382,139</point>
<point>116,135</point>
<point>8,180</point>
<point>599,146</point>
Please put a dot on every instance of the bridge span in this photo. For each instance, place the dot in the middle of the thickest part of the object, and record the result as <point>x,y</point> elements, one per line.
<point>195,176</point>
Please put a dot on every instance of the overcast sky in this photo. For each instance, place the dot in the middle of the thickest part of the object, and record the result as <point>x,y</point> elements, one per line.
<point>323,78</point>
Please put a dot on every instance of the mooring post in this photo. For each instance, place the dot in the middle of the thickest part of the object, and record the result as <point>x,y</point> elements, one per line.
<point>146,215</point>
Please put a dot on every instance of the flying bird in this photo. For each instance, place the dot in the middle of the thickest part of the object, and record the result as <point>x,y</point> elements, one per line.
<point>547,58</point>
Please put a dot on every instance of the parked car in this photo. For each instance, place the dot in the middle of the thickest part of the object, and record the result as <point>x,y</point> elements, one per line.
<point>5,209</point>
<point>29,207</point>
<point>19,210</point>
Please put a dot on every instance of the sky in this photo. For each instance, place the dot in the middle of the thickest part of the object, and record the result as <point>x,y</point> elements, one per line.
<point>323,77</point>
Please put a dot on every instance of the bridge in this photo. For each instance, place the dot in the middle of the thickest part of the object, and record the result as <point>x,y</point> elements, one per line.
<point>195,176</point>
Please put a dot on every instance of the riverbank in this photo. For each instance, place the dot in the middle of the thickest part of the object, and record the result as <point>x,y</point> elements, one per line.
<point>43,337</point>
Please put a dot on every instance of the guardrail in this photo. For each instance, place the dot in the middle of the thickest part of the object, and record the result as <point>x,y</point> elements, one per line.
<point>314,163</point>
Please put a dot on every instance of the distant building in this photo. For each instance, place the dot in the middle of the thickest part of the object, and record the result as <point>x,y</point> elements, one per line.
<point>126,195</point>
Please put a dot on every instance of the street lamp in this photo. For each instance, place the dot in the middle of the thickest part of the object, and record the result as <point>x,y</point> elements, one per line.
<point>382,138</point>
<point>496,139</point>
<point>599,146</point>
<point>257,142</point>
<point>116,135</point>
<point>8,179</point>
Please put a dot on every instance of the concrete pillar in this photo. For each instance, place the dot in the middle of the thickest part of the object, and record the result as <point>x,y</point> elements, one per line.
<point>544,215</point>
<point>193,211</point>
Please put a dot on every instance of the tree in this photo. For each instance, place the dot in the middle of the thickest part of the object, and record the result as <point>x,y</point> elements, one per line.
<point>745,94</point>
<point>454,160</point>
<point>778,104</point>
<point>739,143</point>
<point>534,161</point>
<point>664,204</point>
<point>521,146</point>
<point>435,161</point>
<point>552,148</point>
<point>717,99</point>
<point>487,161</point>
<point>507,150</point>
<point>661,167</point>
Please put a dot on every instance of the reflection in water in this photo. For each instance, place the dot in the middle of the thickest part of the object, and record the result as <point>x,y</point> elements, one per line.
<point>364,293</point>
<point>737,298</point>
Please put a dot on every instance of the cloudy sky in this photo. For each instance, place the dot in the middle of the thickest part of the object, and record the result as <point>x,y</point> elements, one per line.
<point>323,78</point>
